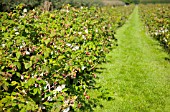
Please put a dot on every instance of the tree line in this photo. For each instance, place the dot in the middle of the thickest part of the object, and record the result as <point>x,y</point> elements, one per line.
<point>8,5</point>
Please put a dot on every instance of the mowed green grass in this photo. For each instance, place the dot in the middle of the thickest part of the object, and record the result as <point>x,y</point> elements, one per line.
<point>136,77</point>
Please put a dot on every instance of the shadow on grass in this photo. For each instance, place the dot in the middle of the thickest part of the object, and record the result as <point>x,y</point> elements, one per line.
<point>102,92</point>
<point>167,59</point>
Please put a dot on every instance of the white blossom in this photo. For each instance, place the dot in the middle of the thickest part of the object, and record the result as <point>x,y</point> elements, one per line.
<point>79,33</point>
<point>22,77</point>
<point>45,60</point>
<point>68,44</point>
<point>21,47</point>
<point>36,85</point>
<point>27,53</point>
<point>86,30</point>
<point>84,37</point>
<point>3,45</point>
<point>25,10</point>
<point>16,33</point>
<point>15,29</point>
<point>49,98</point>
<point>165,39</point>
<point>64,10</point>
<point>21,16</point>
<point>63,86</point>
<point>66,101</point>
<point>81,7</point>
<point>67,109</point>
<point>41,106</point>
<point>24,91</point>
<point>75,48</point>
<point>60,88</point>
<point>156,33</point>
<point>96,30</point>
<point>42,74</point>
<point>47,85</point>
<point>166,30</point>
<point>83,67</point>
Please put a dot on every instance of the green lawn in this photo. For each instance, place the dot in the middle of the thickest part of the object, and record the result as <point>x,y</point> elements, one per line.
<point>136,77</point>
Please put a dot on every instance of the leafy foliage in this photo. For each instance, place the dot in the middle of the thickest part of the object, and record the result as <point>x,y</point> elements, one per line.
<point>154,1</point>
<point>8,5</point>
<point>156,18</point>
<point>131,1</point>
<point>48,59</point>
<point>76,3</point>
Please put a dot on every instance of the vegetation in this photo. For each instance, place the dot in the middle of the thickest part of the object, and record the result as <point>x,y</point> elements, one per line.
<point>156,18</point>
<point>135,77</point>
<point>8,5</point>
<point>48,59</point>
<point>131,1</point>
<point>154,1</point>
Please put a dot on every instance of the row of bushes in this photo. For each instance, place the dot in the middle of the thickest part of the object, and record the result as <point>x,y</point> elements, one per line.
<point>48,59</point>
<point>156,18</point>
<point>154,1</point>
<point>8,5</point>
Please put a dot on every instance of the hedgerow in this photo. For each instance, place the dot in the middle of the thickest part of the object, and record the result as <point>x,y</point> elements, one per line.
<point>48,59</point>
<point>156,18</point>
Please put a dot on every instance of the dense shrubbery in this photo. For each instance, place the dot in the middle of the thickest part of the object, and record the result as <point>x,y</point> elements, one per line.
<point>156,18</point>
<point>154,1</point>
<point>131,1</point>
<point>77,3</point>
<point>8,5</point>
<point>48,59</point>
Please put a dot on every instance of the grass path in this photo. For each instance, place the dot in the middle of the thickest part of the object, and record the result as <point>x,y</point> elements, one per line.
<point>137,76</point>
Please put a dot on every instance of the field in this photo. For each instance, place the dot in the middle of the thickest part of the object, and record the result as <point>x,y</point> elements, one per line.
<point>74,59</point>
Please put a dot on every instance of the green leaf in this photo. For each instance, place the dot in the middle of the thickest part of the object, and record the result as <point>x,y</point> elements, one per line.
<point>13,83</point>
<point>35,91</point>
<point>21,106</point>
<point>31,81</point>
<point>47,41</point>
<point>14,104</point>
<point>9,44</point>
<point>18,54</point>
<point>61,57</point>
<point>28,65</point>
<point>46,103</point>
<point>23,110</point>
<point>26,30</point>
<point>18,65</point>
<point>29,106</point>
<point>52,34</point>
<point>47,52</point>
